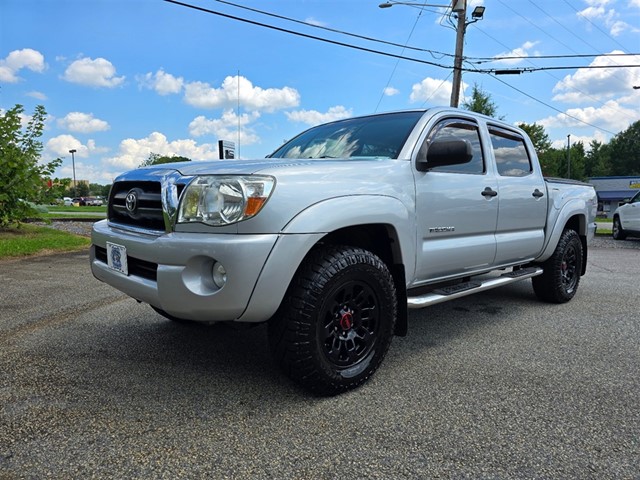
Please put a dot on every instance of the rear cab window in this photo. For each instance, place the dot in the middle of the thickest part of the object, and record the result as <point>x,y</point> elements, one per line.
<point>510,152</point>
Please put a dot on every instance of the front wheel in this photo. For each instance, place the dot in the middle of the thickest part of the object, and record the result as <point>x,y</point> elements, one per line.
<point>337,321</point>
<point>617,230</point>
<point>561,277</point>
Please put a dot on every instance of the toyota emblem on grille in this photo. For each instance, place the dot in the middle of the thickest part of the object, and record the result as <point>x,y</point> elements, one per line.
<point>131,202</point>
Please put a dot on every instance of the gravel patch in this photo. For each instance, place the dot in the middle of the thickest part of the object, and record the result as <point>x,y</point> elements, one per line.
<point>77,227</point>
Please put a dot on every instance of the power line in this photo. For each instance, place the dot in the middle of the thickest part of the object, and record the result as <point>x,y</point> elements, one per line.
<point>506,71</point>
<point>527,59</point>
<point>305,35</point>
<point>596,26</point>
<point>552,107</point>
<point>479,60</point>
<point>402,57</point>
<point>365,49</point>
<point>398,61</point>
<point>434,53</point>
<point>561,25</point>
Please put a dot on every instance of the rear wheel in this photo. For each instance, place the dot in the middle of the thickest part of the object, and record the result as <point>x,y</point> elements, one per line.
<point>617,230</point>
<point>561,277</point>
<point>337,321</point>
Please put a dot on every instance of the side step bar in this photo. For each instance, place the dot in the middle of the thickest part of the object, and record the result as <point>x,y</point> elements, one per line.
<point>468,288</point>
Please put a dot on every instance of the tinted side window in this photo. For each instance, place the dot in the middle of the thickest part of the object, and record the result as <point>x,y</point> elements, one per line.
<point>511,154</point>
<point>465,130</point>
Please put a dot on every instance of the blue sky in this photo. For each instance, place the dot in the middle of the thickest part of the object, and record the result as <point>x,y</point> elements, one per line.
<point>120,79</point>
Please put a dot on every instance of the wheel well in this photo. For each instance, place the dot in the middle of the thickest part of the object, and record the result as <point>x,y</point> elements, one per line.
<point>381,240</point>
<point>578,223</point>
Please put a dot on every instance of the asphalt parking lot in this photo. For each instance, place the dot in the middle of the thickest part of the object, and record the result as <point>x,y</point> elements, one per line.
<point>493,386</point>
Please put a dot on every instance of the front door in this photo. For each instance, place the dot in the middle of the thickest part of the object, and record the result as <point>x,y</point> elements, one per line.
<point>457,211</point>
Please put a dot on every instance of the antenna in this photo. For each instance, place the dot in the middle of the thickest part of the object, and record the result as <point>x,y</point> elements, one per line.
<point>238,113</point>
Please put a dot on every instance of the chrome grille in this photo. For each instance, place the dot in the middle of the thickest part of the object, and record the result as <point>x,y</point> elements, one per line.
<point>145,212</point>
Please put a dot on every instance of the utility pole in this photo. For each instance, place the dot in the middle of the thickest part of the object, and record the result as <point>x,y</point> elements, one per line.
<point>460,8</point>
<point>569,156</point>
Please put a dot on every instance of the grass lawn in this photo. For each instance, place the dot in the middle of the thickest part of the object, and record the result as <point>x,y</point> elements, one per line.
<point>56,211</point>
<point>24,239</point>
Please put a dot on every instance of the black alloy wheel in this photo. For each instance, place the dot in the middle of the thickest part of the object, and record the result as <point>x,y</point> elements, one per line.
<point>336,322</point>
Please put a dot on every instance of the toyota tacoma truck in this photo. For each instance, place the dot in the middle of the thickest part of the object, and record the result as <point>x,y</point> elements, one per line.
<point>333,237</point>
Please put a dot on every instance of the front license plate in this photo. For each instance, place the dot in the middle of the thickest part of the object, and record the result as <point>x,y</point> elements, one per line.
<point>117,258</point>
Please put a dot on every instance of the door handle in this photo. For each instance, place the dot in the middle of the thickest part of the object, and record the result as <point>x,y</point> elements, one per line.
<point>537,193</point>
<point>489,192</point>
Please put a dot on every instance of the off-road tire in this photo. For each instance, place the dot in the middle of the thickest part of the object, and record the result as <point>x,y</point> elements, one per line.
<point>336,322</point>
<point>561,277</point>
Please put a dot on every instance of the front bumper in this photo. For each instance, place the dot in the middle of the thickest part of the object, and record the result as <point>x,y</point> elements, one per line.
<point>174,271</point>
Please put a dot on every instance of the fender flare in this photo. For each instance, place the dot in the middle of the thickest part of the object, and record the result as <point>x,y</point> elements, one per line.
<point>573,208</point>
<point>308,227</point>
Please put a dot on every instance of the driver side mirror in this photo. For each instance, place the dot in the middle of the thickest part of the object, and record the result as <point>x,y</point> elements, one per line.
<point>444,151</point>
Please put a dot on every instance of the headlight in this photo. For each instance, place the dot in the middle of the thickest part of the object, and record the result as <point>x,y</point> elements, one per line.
<point>223,200</point>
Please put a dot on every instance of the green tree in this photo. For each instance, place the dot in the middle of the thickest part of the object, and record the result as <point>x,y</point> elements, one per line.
<point>597,160</point>
<point>480,102</point>
<point>22,177</point>
<point>624,151</point>
<point>81,190</point>
<point>576,170</point>
<point>538,136</point>
<point>552,162</point>
<point>157,159</point>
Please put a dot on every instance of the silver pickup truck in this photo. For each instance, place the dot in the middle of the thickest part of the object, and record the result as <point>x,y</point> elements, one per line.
<point>335,235</point>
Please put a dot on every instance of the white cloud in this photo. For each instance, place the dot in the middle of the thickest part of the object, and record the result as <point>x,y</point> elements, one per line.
<point>597,11</point>
<point>37,95</point>
<point>598,83</point>
<point>391,91</point>
<point>19,59</point>
<point>433,90</point>
<point>93,73</point>
<point>60,146</point>
<point>226,127</point>
<point>82,123</point>
<point>202,95</point>
<point>561,144</point>
<point>611,116</point>
<point>162,82</point>
<point>134,151</point>
<point>521,52</point>
<point>634,3</point>
<point>313,21</point>
<point>313,117</point>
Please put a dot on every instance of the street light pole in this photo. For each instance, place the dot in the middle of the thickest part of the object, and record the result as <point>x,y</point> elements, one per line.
<point>73,163</point>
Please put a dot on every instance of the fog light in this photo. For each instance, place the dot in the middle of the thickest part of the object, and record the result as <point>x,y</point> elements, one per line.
<point>219,275</point>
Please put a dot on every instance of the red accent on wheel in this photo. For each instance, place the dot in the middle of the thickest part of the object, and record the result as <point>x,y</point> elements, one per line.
<point>346,321</point>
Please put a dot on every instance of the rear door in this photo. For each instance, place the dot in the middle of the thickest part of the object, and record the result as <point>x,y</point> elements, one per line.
<point>522,198</point>
<point>457,210</point>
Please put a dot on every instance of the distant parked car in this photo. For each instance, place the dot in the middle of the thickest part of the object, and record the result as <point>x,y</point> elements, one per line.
<point>67,202</point>
<point>93,201</point>
<point>626,219</point>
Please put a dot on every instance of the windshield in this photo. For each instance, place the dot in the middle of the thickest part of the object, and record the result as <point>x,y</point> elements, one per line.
<point>377,136</point>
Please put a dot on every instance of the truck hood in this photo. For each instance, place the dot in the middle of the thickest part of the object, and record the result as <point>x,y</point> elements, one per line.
<point>227,167</point>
